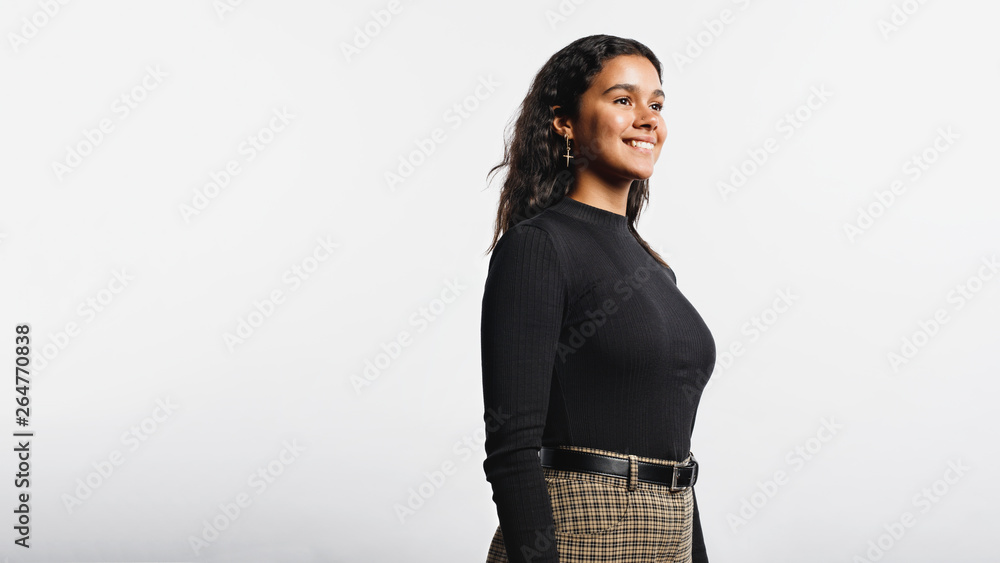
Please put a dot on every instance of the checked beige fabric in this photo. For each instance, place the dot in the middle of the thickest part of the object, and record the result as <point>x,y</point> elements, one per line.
<point>613,519</point>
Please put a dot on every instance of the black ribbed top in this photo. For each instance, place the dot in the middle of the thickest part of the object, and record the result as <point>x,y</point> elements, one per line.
<point>609,220</point>
<point>586,341</point>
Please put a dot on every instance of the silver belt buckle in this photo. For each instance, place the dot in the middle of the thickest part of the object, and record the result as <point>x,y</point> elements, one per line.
<point>673,478</point>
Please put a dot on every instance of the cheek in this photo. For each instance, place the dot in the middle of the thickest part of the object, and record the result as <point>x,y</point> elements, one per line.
<point>608,137</point>
<point>614,125</point>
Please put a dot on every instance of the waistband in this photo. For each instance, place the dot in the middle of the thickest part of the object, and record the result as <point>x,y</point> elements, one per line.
<point>676,476</point>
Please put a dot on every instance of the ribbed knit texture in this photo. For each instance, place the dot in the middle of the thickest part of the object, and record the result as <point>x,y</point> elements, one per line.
<point>586,341</point>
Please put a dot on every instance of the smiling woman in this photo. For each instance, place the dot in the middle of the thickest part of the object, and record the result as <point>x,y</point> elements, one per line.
<point>619,125</point>
<point>587,342</point>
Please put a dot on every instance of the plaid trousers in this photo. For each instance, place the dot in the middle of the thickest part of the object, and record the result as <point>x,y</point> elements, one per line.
<point>613,519</point>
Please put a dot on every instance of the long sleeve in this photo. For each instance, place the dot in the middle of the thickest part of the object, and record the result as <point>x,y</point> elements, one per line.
<point>523,308</point>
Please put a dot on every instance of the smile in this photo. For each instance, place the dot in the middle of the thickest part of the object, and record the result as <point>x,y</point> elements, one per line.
<point>640,145</point>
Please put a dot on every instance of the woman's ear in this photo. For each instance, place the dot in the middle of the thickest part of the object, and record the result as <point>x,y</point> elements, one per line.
<point>561,123</point>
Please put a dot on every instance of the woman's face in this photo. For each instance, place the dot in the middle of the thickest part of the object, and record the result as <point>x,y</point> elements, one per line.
<point>621,106</point>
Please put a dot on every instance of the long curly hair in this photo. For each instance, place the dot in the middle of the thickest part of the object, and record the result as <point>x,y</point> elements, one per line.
<point>535,180</point>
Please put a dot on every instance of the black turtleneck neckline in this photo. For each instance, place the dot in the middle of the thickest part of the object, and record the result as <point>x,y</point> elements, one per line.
<point>591,214</point>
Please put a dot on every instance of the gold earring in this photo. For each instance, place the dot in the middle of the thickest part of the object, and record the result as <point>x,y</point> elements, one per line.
<point>567,155</point>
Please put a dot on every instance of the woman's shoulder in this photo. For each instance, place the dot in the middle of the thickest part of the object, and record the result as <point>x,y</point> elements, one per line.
<point>546,235</point>
<point>557,227</point>
<point>525,238</point>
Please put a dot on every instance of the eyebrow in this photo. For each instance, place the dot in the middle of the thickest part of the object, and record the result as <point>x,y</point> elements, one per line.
<point>632,88</point>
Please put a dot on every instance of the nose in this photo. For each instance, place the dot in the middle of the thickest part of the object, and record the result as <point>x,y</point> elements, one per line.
<point>648,118</point>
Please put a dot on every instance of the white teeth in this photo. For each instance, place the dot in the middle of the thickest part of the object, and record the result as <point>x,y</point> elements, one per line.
<point>642,144</point>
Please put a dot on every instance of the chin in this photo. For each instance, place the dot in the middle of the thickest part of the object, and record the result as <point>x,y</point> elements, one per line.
<point>641,174</point>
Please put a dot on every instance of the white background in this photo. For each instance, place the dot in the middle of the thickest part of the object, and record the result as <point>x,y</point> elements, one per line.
<point>363,453</point>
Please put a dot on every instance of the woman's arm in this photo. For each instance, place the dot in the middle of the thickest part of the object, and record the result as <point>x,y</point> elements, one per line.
<point>698,552</point>
<point>523,305</point>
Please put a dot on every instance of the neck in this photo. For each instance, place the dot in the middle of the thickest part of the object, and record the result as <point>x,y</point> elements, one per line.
<point>597,193</point>
<point>600,218</point>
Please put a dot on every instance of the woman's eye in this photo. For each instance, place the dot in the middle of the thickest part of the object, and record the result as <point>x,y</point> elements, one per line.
<point>658,106</point>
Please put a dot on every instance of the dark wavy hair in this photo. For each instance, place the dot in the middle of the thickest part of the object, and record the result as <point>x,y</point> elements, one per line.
<point>535,179</point>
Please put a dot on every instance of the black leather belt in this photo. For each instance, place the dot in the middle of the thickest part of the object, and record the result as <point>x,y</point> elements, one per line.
<point>677,477</point>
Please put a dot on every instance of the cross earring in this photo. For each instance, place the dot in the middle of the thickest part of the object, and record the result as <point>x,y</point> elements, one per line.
<point>567,155</point>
